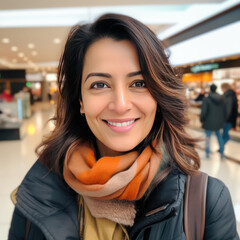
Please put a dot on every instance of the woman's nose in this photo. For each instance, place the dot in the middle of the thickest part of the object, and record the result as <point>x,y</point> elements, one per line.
<point>120,101</point>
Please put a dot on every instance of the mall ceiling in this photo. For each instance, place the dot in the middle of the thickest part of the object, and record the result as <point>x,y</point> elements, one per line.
<point>32,36</point>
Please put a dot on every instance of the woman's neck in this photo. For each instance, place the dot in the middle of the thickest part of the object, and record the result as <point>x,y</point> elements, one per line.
<point>102,151</point>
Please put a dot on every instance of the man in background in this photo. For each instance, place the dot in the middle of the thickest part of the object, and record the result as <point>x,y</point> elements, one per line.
<point>231,110</point>
<point>213,115</point>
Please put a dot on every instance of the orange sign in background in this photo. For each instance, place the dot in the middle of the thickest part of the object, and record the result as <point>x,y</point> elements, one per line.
<point>197,77</point>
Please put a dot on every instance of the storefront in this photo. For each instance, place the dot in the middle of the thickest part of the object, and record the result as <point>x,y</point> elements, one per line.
<point>199,77</point>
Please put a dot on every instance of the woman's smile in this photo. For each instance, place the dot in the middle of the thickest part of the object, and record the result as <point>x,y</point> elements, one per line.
<point>121,125</point>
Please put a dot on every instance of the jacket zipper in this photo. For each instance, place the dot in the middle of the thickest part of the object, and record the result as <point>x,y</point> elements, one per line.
<point>156,210</point>
<point>170,214</point>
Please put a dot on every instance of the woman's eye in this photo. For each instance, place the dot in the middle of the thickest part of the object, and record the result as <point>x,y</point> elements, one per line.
<point>139,84</point>
<point>98,85</point>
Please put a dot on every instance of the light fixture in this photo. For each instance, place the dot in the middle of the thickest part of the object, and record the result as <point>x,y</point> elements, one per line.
<point>51,77</point>
<point>14,48</point>
<point>5,40</point>
<point>34,53</point>
<point>25,58</point>
<point>31,45</point>
<point>37,85</point>
<point>56,40</point>
<point>31,64</point>
<point>31,129</point>
<point>21,54</point>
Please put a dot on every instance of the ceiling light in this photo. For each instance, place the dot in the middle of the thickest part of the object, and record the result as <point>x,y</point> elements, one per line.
<point>31,65</point>
<point>5,40</point>
<point>21,54</point>
<point>56,40</point>
<point>14,48</point>
<point>25,58</point>
<point>34,53</point>
<point>37,85</point>
<point>31,45</point>
<point>51,77</point>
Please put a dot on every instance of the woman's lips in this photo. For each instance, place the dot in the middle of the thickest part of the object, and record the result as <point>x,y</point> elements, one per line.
<point>121,125</point>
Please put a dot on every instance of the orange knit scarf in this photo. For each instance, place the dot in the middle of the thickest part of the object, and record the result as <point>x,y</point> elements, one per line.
<point>123,177</point>
<point>109,185</point>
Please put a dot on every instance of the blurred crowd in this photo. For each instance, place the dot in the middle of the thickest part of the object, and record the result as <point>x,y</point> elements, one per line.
<point>219,114</point>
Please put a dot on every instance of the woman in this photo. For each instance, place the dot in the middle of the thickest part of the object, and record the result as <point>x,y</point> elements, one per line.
<point>119,132</point>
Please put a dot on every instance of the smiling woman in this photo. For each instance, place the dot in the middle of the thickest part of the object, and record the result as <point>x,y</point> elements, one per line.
<point>116,164</point>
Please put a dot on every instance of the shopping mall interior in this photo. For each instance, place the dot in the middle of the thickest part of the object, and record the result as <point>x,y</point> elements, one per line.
<point>201,38</point>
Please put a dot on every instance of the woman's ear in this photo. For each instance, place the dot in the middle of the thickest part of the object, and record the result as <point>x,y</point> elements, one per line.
<point>81,107</point>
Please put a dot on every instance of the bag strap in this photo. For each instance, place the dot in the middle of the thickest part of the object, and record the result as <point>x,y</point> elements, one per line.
<point>195,206</point>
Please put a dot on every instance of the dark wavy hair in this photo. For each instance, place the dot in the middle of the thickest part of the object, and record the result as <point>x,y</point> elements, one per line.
<point>162,81</point>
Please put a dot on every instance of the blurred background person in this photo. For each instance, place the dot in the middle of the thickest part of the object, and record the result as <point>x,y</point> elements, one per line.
<point>28,90</point>
<point>6,95</point>
<point>231,110</point>
<point>213,115</point>
<point>200,96</point>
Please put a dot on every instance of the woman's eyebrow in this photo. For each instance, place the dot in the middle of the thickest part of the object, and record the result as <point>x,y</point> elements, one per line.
<point>133,74</point>
<point>106,75</point>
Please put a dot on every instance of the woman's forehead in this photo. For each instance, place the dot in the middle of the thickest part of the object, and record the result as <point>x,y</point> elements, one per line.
<point>109,54</point>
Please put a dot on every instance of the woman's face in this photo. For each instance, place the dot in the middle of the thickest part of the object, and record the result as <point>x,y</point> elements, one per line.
<point>118,107</point>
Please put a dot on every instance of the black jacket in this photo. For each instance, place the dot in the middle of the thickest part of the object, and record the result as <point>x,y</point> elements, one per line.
<point>46,200</point>
<point>232,107</point>
<point>213,114</point>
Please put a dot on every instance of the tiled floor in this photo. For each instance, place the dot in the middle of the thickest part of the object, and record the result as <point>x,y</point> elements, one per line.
<point>16,157</point>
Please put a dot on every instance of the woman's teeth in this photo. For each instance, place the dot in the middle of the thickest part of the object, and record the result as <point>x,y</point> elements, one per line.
<point>123,124</point>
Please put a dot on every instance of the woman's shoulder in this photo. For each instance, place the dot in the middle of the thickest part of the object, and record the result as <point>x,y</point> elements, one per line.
<point>42,177</point>
<point>46,200</point>
<point>218,196</point>
<point>39,170</point>
<point>41,184</point>
<point>220,216</point>
<point>39,174</point>
<point>216,191</point>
